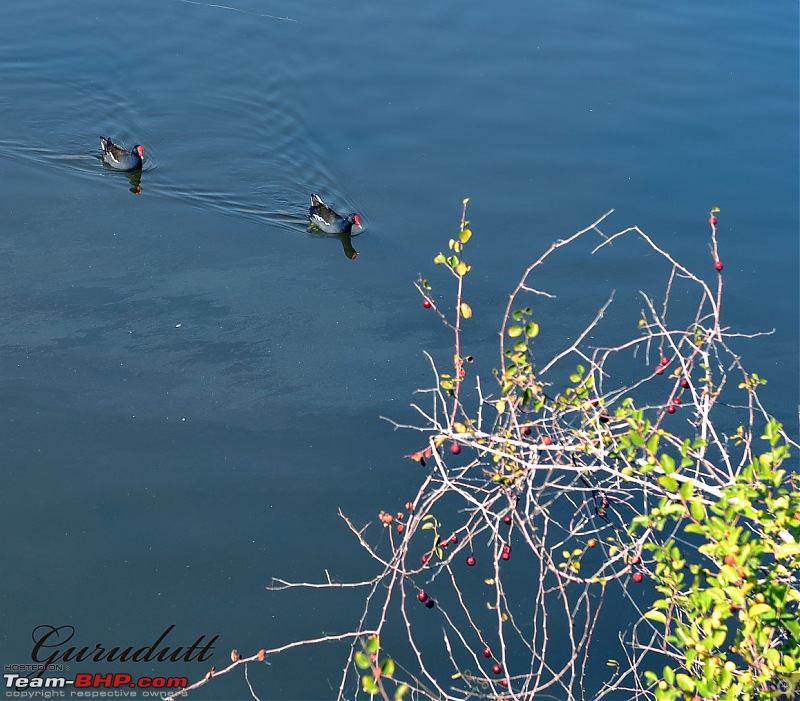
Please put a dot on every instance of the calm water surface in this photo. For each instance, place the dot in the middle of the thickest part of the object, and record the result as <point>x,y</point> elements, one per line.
<point>191,383</point>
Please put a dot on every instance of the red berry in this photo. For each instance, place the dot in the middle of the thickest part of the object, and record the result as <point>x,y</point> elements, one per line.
<point>455,449</point>
<point>660,370</point>
<point>425,558</point>
<point>718,265</point>
<point>471,561</point>
<point>547,440</point>
<point>526,430</point>
<point>444,543</point>
<point>604,503</point>
<point>712,220</point>
<point>730,560</point>
<point>454,539</point>
<point>637,577</point>
<point>665,361</point>
<point>506,555</point>
<point>504,683</point>
<point>677,401</point>
<point>487,652</point>
<point>684,383</point>
<point>422,596</point>
<point>430,603</point>
<point>426,303</point>
<point>671,409</point>
<point>497,669</point>
<point>601,513</point>
<point>636,560</point>
<point>507,520</point>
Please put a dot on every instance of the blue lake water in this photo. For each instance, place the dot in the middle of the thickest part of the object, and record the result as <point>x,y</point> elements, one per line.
<point>191,383</point>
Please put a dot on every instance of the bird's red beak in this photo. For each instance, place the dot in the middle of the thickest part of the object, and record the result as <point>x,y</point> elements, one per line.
<point>357,220</point>
<point>140,150</point>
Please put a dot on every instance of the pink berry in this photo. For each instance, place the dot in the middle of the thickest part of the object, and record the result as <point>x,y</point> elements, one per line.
<point>471,561</point>
<point>712,220</point>
<point>427,304</point>
<point>454,539</point>
<point>718,265</point>
<point>455,449</point>
<point>424,559</point>
<point>497,669</point>
<point>505,555</point>
<point>637,577</point>
<point>487,652</point>
<point>422,596</point>
<point>507,520</point>
<point>660,370</point>
<point>444,543</point>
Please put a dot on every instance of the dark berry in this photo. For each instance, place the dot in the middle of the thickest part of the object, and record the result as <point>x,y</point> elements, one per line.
<point>526,430</point>
<point>507,520</point>
<point>487,652</point>
<point>497,669</point>
<point>684,383</point>
<point>454,539</point>
<point>425,558</point>
<point>430,603</point>
<point>471,561</point>
<point>422,596</point>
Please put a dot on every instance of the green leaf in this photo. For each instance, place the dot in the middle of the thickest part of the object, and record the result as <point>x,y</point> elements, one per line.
<point>401,691</point>
<point>387,668</point>
<point>669,483</point>
<point>439,259</point>
<point>465,236</point>
<point>362,660</point>
<point>687,490</point>
<point>698,510</point>
<point>667,463</point>
<point>532,329</point>
<point>515,331</point>
<point>685,683</point>
<point>372,646</point>
<point>520,346</point>
<point>466,310</point>
<point>656,616</point>
<point>369,685</point>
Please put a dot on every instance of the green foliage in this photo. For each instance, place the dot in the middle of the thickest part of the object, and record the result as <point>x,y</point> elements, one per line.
<point>730,592</point>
